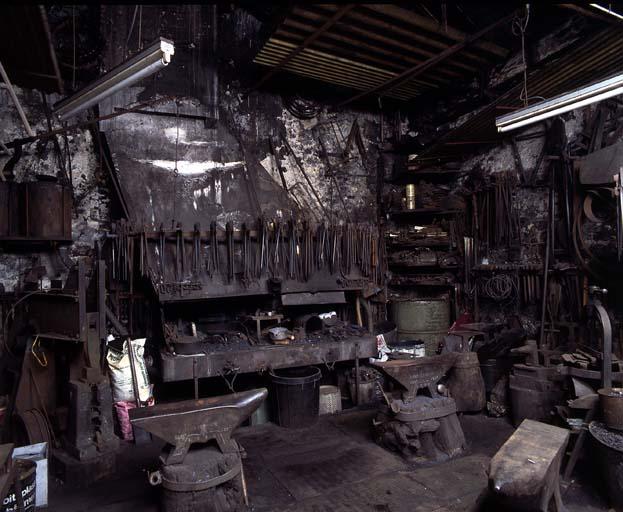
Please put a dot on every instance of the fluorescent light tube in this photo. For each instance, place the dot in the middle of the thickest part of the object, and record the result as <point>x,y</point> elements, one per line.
<point>608,10</point>
<point>598,91</point>
<point>143,64</point>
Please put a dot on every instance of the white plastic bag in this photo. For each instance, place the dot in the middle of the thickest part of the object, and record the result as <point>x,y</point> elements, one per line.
<point>121,374</point>
<point>383,350</point>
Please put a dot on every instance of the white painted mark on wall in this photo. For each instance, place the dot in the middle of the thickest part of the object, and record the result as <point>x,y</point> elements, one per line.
<point>218,191</point>
<point>187,167</point>
<point>171,134</point>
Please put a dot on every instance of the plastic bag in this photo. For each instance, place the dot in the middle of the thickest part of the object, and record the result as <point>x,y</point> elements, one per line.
<point>121,374</point>
<point>122,410</point>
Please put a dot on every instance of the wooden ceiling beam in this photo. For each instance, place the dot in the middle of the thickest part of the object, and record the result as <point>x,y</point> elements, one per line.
<point>410,17</point>
<point>308,41</point>
<point>411,73</point>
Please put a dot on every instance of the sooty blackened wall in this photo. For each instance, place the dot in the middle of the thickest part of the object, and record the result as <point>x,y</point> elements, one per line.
<point>225,168</point>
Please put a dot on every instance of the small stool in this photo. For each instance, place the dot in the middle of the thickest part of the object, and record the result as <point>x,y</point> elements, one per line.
<point>524,473</point>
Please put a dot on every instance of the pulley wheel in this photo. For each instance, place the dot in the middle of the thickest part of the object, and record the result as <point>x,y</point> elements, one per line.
<point>32,427</point>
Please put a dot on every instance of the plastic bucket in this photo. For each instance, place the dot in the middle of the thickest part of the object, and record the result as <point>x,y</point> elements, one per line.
<point>330,400</point>
<point>26,470</point>
<point>296,396</point>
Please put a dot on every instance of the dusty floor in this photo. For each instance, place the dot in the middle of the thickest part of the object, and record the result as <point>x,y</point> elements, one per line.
<point>331,467</point>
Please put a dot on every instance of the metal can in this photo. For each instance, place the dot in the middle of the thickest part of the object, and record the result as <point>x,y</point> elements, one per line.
<point>410,195</point>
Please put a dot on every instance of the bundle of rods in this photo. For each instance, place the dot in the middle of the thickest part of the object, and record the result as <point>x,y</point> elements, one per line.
<point>498,221</point>
<point>293,250</point>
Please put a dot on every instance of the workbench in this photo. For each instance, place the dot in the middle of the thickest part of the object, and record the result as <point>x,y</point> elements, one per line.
<point>260,358</point>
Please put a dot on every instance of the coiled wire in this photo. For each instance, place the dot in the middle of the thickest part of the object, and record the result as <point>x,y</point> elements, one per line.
<point>500,287</point>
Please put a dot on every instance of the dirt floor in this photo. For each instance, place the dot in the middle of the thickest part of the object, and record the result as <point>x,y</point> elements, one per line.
<point>333,466</point>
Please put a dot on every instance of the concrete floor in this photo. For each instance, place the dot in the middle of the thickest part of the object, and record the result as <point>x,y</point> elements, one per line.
<point>333,466</point>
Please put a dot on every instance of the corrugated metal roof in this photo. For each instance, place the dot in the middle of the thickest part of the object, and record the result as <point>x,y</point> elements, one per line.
<point>589,60</point>
<point>363,46</point>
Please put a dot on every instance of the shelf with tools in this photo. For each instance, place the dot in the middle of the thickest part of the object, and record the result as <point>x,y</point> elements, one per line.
<point>405,171</point>
<point>423,241</point>
<point>417,244</point>
<point>409,281</point>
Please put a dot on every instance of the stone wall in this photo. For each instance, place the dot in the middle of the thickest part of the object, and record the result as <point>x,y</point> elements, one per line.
<point>90,213</point>
<point>222,167</point>
<point>217,166</point>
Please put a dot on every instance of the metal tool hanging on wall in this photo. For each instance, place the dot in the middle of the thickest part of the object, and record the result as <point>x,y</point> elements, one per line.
<point>177,260</point>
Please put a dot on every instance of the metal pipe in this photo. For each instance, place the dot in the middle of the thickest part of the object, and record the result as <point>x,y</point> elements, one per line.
<point>357,377</point>
<point>133,372</point>
<point>84,124</point>
<point>53,59</point>
<point>195,378</point>
<point>16,102</point>
<point>606,326</point>
<point>548,245</point>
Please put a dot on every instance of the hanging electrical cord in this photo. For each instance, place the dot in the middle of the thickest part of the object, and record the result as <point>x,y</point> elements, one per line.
<point>500,287</point>
<point>73,68</point>
<point>518,28</point>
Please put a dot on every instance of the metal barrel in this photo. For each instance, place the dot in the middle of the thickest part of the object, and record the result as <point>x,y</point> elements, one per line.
<point>612,407</point>
<point>425,319</point>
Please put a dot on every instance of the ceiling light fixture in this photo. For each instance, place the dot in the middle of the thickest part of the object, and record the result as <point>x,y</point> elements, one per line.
<point>608,10</point>
<point>598,91</point>
<point>145,63</point>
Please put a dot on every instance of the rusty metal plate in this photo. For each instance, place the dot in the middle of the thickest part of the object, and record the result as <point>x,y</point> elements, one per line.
<point>599,167</point>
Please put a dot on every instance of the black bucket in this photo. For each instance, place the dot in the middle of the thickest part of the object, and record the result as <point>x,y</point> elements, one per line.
<point>296,396</point>
<point>26,469</point>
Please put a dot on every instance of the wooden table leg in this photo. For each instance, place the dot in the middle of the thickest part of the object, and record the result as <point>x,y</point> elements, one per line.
<point>579,442</point>
<point>558,499</point>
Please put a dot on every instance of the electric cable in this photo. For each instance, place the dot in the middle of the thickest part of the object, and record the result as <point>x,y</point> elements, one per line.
<point>10,314</point>
<point>518,27</point>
